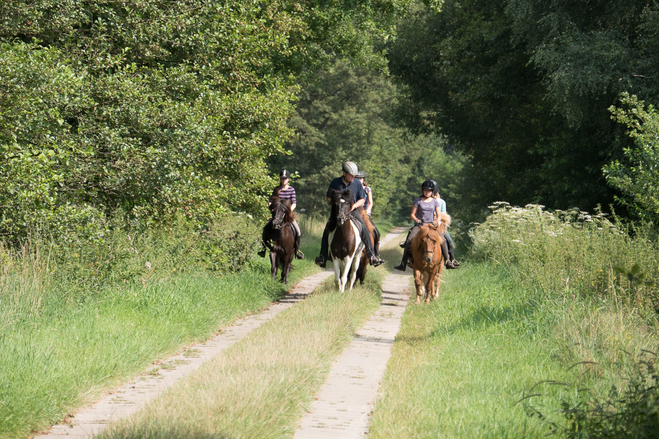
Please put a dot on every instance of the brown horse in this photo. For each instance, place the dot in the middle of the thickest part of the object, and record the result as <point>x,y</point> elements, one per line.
<point>345,242</point>
<point>363,264</point>
<point>279,237</point>
<point>428,262</point>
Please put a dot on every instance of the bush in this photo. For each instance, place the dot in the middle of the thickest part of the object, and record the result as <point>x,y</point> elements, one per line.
<point>630,412</point>
<point>570,253</point>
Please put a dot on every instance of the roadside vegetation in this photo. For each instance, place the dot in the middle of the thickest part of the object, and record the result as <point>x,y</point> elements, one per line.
<point>552,311</point>
<point>77,322</point>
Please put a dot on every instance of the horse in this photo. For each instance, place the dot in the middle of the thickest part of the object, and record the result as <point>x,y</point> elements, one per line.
<point>428,260</point>
<point>345,242</point>
<point>363,263</point>
<point>279,237</point>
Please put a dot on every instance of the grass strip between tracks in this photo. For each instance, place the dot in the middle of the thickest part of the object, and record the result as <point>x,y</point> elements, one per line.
<point>260,387</point>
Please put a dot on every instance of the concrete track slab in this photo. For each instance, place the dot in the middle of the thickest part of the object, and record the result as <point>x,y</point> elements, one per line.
<point>132,396</point>
<point>344,403</point>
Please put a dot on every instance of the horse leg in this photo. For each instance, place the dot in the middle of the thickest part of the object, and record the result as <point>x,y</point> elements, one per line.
<point>418,283</point>
<point>274,263</point>
<point>337,273</point>
<point>286,269</point>
<point>353,269</point>
<point>346,272</point>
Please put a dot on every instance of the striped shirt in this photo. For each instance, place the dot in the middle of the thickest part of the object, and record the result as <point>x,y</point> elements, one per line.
<point>285,194</point>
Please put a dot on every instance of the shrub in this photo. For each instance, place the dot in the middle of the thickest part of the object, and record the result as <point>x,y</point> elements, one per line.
<point>570,253</point>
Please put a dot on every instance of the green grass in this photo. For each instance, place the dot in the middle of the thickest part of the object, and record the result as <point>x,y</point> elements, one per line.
<point>60,351</point>
<point>260,387</point>
<point>461,364</point>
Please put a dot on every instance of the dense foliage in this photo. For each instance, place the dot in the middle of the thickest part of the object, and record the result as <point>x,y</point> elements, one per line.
<point>346,114</point>
<point>146,110</point>
<point>524,87</point>
<point>637,176</point>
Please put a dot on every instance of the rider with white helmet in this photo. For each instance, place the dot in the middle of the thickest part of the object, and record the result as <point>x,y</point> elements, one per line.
<point>348,182</point>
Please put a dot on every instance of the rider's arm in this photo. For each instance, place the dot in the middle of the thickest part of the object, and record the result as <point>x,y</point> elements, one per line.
<point>358,204</point>
<point>370,203</point>
<point>413,215</point>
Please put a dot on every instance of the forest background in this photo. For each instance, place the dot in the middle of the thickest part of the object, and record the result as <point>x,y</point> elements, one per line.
<point>140,139</point>
<point>152,113</point>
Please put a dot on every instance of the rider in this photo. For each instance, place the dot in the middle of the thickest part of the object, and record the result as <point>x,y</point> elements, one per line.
<point>368,204</point>
<point>368,207</point>
<point>348,182</point>
<point>425,209</point>
<point>449,240</point>
<point>285,192</point>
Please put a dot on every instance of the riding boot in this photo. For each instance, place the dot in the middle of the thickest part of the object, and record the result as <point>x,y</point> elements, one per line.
<point>451,257</point>
<point>403,263</point>
<point>376,239</point>
<point>321,260</point>
<point>298,252</point>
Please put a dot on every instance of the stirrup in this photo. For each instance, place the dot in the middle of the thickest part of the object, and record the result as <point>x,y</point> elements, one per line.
<point>402,266</point>
<point>299,255</point>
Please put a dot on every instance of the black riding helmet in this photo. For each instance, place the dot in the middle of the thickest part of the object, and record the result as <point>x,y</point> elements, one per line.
<point>435,190</point>
<point>428,184</point>
<point>284,174</point>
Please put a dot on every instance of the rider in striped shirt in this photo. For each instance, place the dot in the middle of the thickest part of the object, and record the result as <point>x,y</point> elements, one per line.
<point>286,192</point>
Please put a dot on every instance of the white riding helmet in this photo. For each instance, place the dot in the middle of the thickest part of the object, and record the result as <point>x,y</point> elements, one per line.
<point>350,168</point>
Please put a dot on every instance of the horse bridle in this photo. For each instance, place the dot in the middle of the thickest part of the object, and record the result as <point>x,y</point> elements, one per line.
<point>342,217</point>
<point>430,253</point>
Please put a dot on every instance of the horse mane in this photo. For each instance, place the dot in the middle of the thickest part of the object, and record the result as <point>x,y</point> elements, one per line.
<point>445,222</point>
<point>427,230</point>
<point>346,195</point>
<point>279,203</point>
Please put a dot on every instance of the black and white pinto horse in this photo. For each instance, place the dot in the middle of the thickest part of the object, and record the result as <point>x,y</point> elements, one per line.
<point>345,244</point>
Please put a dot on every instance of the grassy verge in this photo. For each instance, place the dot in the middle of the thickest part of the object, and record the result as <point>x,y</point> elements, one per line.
<point>532,339</point>
<point>260,387</point>
<point>60,350</point>
<point>461,365</point>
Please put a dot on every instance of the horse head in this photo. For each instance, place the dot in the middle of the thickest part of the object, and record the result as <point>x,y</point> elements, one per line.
<point>342,205</point>
<point>431,244</point>
<point>281,212</point>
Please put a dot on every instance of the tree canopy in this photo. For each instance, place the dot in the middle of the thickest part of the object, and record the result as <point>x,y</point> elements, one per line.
<point>151,109</point>
<point>524,87</point>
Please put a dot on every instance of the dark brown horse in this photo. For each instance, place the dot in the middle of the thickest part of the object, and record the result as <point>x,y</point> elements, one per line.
<point>279,237</point>
<point>428,262</point>
<point>345,242</point>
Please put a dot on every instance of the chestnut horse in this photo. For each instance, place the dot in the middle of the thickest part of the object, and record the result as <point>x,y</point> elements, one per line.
<point>279,237</point>
<point>345,245</point>
<point>361,271</point>
<point>428,262</point>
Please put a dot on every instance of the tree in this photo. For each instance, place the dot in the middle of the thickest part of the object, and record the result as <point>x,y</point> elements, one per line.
<point>346,114</point>
<point>154,109</point>
<point>638,176</point>
<point>523,88</point>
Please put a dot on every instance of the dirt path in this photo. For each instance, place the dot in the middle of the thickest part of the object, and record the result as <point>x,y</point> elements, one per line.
<point>132,396</point>
<point>342,406</point>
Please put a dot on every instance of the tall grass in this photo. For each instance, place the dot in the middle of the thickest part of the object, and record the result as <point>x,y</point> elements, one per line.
<point>546,307</point>
<point>77,320</point>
